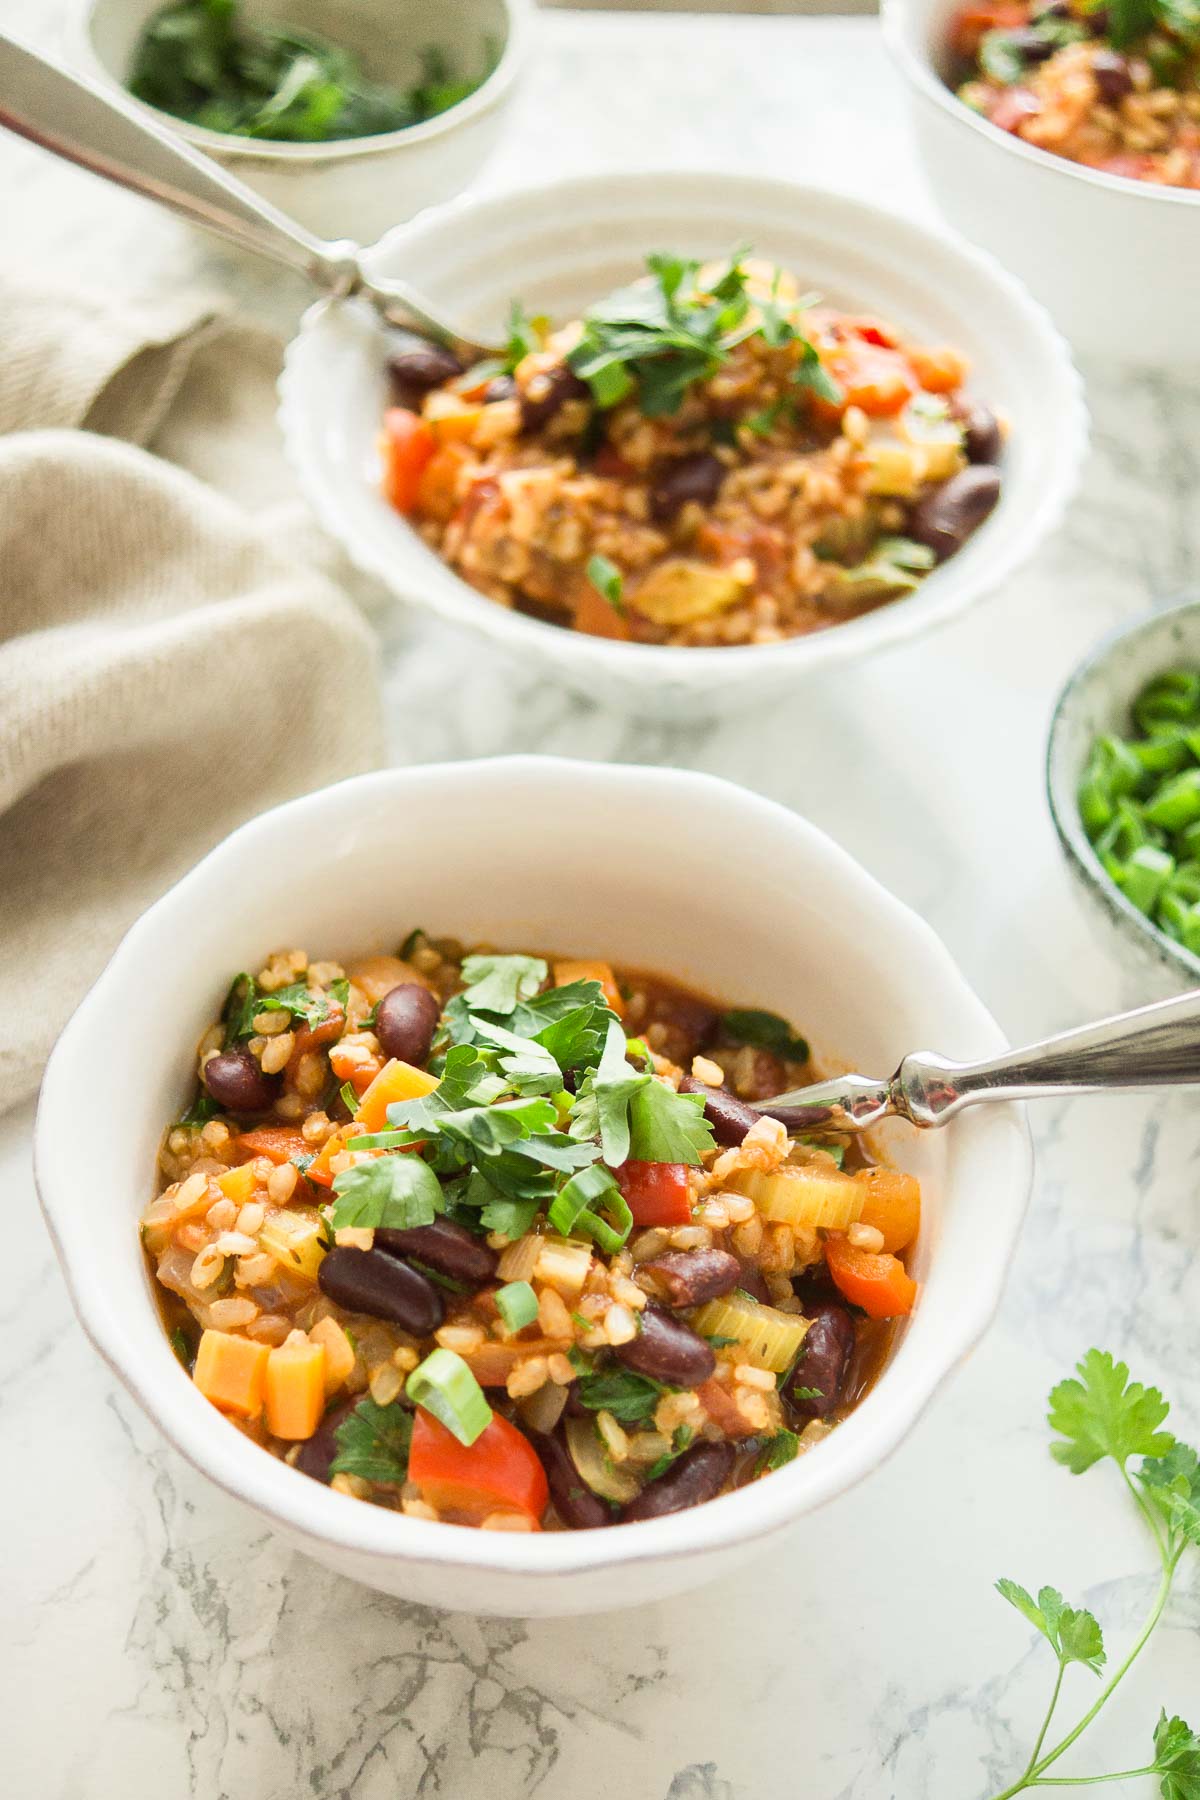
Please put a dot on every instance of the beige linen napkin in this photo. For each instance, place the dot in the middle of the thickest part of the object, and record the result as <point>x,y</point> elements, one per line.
<point>166,669</point>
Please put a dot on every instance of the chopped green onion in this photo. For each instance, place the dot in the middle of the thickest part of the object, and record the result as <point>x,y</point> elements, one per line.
<point>579,1206</point>
<point>349,1098</point>
<point>517,1304</point>
<point>445,1387</point>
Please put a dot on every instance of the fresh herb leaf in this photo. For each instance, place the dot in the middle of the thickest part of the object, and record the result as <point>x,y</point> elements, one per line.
<point>241,1004</point>
<point>296,998</point>
<point>202,1109</point>
<point>630,1398</point>
<point>398,1192</point>
<point>182,1348</point>
<point>720,1343</point>
<point>607,580</point>
<point>668,1127</point>
<point>495,983</point>
<point>1172,1483</point>
<point>1073,1634</point>
<point>373,1443</point>
<point>765,1031</point>
<point>783,1448</point>
<point>1177,1759</point>
<point>1103,1413</point>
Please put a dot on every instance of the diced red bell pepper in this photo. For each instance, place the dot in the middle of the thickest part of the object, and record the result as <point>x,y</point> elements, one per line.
<point>499,1472</point>
<point>656,1193</point>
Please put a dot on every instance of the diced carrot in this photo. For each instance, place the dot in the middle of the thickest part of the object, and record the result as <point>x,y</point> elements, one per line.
<point>318,1169</point>
<point>281,1143</point>
<point>938,370</point>
<point>295,1390</point>
<point>893,1205</point>
<point>452,417</point>
<point>875,379</point>
<point>349,1066</point>
<point>500,1471</point>
<point>339,1352</point>
<point>437,492</point>
<point>406,446</point>
<point>395,1081</point>
<point>238,1184</point>
<point>880,1284</point>
<point>568,971</point>
<point>231,1372</point>
<point>598,617</point>
<point>722,1409</point>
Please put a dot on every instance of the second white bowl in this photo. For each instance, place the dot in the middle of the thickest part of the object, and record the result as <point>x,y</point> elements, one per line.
<point>1117,262</point>
<point>562,246</point>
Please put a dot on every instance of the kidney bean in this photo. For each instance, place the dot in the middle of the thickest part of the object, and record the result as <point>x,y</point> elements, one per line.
<point>406,1021</point>
<point>946,516</point>
<point>686,1277</point>
<point>236,1082</point>
<point>697,477</point>
<point>417,367</point>
<point>668,1350</point>
<point>823,1361</point>
<point>371,1281</point>
<point>547,394</point>
<point>574,1501</point>
<point>318,1451</point>
<point>1098,21</point>
<point>1111,74</point>
<point>449,1248</point>
<point>687,1025</point>
<point>981,433</point>
<point>698,1475</point>
<point>729,1117</point>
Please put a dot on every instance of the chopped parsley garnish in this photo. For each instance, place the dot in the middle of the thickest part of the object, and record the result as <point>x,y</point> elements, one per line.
<point>636,1116</point>
<point>630,1398</point>
<point>397,1192</point>
<point>783,1448</point>
<point>675,327</point>
<point>246,999</point>
<point>203,61</point>
<point>202,1109</point>
<point>373,1443</point>
<point>182,1348</point>
<point>765,1031</point>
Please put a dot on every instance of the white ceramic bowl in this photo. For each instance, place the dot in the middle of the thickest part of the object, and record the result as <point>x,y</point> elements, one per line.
<point>359,187</point>
<point>1116,262</point>
<point>733,893</point>
<point>563,245</point>
<point>1096,701</point>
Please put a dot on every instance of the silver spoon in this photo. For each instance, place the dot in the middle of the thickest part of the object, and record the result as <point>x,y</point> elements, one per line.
<point>1153,1046</point>
<point>114,138</point>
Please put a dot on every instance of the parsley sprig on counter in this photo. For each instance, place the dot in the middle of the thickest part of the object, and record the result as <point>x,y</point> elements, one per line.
<point>671,329</point>
<point>1104,1416</point>
<point>502,1138</point>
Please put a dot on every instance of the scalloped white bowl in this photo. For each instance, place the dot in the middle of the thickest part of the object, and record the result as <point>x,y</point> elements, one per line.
<point>751,903</point>
<point>559,247</point>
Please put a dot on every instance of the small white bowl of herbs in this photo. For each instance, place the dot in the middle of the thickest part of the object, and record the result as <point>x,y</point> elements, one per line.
<point>349,119</point>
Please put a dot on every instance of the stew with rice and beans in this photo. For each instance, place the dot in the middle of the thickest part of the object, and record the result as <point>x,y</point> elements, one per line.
<point>500,1240</point>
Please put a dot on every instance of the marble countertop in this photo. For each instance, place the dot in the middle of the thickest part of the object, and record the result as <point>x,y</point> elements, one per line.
<point>157,1643</point>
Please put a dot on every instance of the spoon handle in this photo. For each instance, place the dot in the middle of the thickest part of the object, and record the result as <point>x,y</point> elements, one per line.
<point>115,138</point>
<point>1153,1046</point>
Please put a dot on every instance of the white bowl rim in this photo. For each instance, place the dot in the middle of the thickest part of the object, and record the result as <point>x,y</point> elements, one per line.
<point>518,13</point>
<point>922,75</point>
<point>1069,825</point>
<point>327,1518</point>
<point>891,623</point>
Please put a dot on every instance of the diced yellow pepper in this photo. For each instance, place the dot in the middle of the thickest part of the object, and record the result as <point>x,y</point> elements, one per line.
<point>238,1184</point>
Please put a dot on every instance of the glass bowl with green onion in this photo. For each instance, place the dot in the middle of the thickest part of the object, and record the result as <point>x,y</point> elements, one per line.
<point>1123,774</point>
<point>349,115</point>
